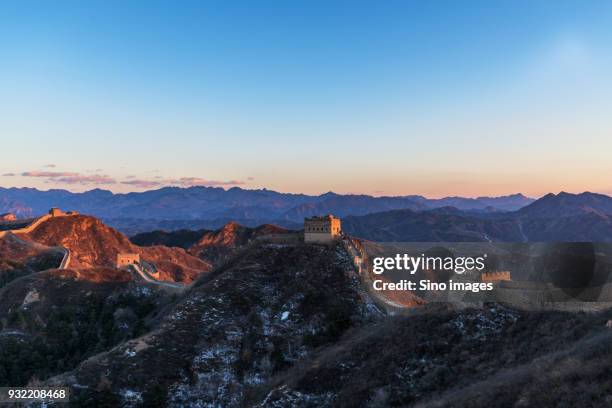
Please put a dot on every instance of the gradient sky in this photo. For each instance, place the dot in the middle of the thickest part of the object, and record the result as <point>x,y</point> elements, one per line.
<point>386,98</point>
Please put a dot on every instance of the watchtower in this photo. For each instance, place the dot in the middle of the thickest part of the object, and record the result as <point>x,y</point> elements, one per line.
<point>127,259</point>
<point>323,229</point>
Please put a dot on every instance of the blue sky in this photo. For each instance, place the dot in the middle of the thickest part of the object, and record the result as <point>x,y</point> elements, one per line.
<point>436,98</point>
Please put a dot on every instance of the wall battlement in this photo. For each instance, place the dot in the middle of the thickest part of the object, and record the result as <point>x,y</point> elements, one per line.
<point>54,212</point>
<point>495,276</point>
<point>127,259</point>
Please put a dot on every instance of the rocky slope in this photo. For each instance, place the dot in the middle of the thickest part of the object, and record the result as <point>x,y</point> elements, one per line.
<point>93,244</point>
<point>217,246</point>
<point>53,320</point>
<point>484,357</point>
<point>282,326</point>
<point>182,238</point>
<point>212,246</point>
<point>261,313</point>
<point>285,326</point>
<point>19,257</point>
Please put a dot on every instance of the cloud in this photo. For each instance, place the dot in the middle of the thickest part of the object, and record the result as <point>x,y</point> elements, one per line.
<point>49,174</point>
<point>82,179</point>
<point>50,165</point>
<point>130,180</point>
<point>197,181</point>
<point>158,181</point>
<point>250,178</point>
<point>8,175</point>
<point>142,183</point>
<point>68,177</point>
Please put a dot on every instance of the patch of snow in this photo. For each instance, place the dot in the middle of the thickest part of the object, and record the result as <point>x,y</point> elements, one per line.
<point>131,396</point>
<point>31,297</point>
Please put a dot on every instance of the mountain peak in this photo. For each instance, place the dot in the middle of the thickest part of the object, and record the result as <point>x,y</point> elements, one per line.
<point>567,204</point>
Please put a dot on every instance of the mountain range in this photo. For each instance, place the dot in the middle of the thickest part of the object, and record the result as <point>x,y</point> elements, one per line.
<point>560,217</point>
<point>213,207</point>
<point>283,325</point>
<point>563,217</point>
<point>288,326</point>
<point>514,218</point>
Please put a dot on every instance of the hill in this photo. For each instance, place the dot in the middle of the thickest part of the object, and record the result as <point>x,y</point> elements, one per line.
<point>93,244</point>
<point>180,238</point>
<point>20,257</point>
<point>52,320</point>
<point>484,357</point>
<point>212,246</point>
<point>261,313</point>
<point>291,326</point>
<point>219,245</point>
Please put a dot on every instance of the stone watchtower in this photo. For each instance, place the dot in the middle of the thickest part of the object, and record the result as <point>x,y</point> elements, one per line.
<point>56,212</point>
<point>323,229</point>
<point>127,259</point>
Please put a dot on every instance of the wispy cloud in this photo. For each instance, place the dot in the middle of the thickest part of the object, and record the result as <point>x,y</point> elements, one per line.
<point>182,182</point>
<point>83,179</point>
<point>50,166</point>
<point>142,183</point>
<point>68,177</point>
<point>49,174</point>
<point>197,181</point>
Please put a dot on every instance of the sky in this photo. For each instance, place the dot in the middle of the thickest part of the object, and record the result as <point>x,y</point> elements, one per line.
<point>435,97</point>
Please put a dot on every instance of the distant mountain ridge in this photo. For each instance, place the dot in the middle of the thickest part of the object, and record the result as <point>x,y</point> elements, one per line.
<point>215,206</point>
<point>561,217</point>
<point>566,204</point>
<point>554,217</point>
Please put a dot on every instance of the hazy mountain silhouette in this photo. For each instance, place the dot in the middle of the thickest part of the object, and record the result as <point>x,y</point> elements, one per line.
<point>561,217</point>
<point>566,204</point>
<point>212,207</point>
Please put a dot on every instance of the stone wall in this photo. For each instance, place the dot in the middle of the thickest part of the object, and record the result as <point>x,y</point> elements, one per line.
<point>29,228</point>
<point>495,276</point>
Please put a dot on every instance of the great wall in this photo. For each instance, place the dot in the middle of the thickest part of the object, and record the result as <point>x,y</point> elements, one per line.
<point>524,295</point>
<point>54,212</point>
<point>325,230</point>
<point>123,260</point>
